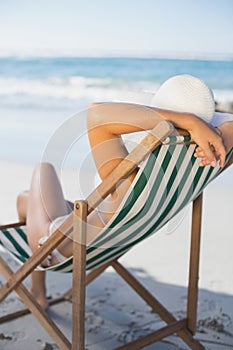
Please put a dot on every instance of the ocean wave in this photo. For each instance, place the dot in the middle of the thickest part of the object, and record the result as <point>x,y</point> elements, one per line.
<point>60,91</point>
<point>72,87</point>
<point>223,96</point>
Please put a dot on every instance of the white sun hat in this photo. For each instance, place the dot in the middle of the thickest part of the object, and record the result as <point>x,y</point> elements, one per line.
<point>186,93</point>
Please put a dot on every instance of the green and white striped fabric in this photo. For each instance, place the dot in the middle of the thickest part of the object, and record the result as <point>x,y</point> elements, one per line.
<point>168,180</point>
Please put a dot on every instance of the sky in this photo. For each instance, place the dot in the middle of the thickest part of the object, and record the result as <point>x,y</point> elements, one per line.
<point>116,27</point>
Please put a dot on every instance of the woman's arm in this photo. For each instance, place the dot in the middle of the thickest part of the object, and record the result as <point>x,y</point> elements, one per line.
<point>108,121</point>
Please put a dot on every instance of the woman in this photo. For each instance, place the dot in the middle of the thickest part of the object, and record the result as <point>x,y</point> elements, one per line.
<point>106,123</point>
<point>44,206</point>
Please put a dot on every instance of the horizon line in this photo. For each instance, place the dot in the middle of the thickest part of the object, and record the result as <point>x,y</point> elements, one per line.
<point>147,55</point>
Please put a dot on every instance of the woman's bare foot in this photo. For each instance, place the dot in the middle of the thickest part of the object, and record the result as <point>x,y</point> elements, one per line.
<point>226,130</point>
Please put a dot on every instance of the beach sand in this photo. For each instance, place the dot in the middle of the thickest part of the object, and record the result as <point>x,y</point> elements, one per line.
<point>114,313</point>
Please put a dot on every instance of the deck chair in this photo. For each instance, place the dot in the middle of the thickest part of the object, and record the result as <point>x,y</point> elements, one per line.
<point>168,179</point>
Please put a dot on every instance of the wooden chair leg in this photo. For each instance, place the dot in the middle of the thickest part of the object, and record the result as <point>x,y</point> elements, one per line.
<point>156,306</point>
<point>79,276</point>
<point>36,310</point>
<point>194,264</point>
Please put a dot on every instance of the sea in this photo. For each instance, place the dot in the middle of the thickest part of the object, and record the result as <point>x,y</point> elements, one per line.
<point>43,100</point>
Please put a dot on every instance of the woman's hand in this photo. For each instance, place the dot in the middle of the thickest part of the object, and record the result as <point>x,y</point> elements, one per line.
<point>210,148</point>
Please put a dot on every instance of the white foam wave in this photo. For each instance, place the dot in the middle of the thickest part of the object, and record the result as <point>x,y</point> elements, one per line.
<point>224,96</point>
<point>73,88</point>
<point>77,88</point>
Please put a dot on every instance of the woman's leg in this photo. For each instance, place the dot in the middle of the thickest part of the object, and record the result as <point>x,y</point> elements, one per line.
<point>45,203</point>
<point>22,205</point>
<point>38,207</point>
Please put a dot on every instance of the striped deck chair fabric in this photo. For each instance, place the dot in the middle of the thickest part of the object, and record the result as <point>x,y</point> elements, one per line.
<point>166,182</point>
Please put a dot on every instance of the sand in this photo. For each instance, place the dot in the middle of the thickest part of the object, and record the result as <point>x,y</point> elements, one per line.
<point>114,313</point>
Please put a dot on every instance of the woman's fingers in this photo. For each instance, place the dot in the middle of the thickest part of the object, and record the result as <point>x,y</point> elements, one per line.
<point>211,154</point>
<point>221,155</point>
<point>199,153</point>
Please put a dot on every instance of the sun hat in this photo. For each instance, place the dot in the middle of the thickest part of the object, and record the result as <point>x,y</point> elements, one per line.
<point>186,93</point>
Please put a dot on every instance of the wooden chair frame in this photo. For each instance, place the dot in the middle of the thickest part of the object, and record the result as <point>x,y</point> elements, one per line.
<point>184,328</point>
